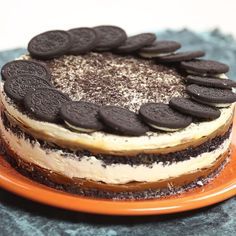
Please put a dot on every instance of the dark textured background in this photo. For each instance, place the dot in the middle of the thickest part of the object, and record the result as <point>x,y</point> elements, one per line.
<point>22,217</point>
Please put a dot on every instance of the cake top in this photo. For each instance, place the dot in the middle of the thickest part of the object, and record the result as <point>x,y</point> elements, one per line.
<point>106,76</point>
<point>109,79</point>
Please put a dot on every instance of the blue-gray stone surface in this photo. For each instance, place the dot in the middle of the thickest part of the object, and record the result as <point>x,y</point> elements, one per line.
<point>23,217</point>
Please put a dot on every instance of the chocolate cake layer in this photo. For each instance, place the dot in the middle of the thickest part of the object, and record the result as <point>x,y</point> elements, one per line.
<point>142,158</point>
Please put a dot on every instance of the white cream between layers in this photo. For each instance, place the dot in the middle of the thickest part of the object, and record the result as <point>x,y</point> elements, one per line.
<point>219,105</point>
<point>153,54</point>
<point>88,167</point>
<point>221,76</point>
<point>114,143</point>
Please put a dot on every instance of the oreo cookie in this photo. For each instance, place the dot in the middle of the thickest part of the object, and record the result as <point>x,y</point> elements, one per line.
<point>159,48</point>
<point>81,116</point>
<point>182,56</point>
<point>211,96</point>
<point>211,82</point>
<point>45,103</point>
<point>109,37</point>
<point>24,67</point>
<point>204,67</point>
<point>161,116</point>
<point>136,42</point>
<point>17,87</point>
<point>50,44</point>
<point>122,121</point>
<point>83,40</point>
<point>195,109</point>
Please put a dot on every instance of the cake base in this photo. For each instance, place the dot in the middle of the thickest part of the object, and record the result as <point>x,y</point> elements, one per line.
<point>37,174</point>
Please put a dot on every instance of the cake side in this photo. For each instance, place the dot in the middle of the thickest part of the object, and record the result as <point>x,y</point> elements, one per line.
<point>89,166</point>
<point>153,142</point>
<point>25,157</point>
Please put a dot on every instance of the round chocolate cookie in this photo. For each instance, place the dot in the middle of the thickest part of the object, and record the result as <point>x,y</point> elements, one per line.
<point>136,42</point>
<point>212,96</point>
<point>109,37</point>
<point>210,82</point>
<point>81,116</point>
<point>203,67</point>
<point>17,87</point>
<point>161,47</point>
<point>182,56</point>
<point>122,121</point>
<point>161,116</point>
<point>50,44</point>
<point>195,109</point>
<point>24,67</point>
<point>45,103</point>
<point>83,40</point>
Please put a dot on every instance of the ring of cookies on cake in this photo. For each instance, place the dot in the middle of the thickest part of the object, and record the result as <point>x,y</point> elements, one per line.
<point>94,112</point>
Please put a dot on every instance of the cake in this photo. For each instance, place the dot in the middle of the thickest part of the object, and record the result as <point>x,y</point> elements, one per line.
<point>93,112</point>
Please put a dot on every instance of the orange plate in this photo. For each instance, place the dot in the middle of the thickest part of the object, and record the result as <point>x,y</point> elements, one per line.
<point>221,188</point>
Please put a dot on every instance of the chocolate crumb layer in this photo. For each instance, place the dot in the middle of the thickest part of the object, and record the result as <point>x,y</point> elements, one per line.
<point>140,159</point>
<point>109,79</point>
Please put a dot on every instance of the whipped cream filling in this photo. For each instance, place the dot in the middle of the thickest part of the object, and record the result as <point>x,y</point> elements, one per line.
<point>220,76</point>
<point>90,168</point>
<point>162,128</point>
<point>154,54</point>
<point>219,105</point>
<point>79,128</point>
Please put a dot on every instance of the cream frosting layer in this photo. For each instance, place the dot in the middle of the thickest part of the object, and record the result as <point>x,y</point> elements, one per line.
<point>153,54</point>
<point>221,76</point>
<point>90,168</point>
<point>111,143</point>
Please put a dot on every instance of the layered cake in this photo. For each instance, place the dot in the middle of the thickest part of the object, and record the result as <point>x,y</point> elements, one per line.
<point>93,112</point>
